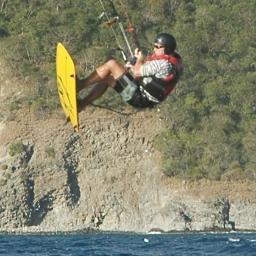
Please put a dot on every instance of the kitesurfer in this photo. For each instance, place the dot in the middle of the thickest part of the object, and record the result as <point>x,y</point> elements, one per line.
<point>144,84</point>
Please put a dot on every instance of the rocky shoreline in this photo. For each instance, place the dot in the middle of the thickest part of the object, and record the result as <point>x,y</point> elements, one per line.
<point>107,177</point>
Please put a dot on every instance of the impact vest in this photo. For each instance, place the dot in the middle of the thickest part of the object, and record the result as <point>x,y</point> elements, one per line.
<point>160,88</point>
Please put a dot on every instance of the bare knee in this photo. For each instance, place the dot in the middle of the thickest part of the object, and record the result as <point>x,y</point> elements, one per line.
<point>112,63</point>
<point>116,68</point>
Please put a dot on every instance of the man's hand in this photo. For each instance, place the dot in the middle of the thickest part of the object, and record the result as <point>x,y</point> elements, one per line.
<point>137,59</point>
<point>138,54</point>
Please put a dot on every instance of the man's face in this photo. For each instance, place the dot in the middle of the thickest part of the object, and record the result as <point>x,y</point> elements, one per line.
<point>158,49</point>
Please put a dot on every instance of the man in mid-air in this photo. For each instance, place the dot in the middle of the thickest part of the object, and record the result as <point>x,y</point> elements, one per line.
<point>144,84</point>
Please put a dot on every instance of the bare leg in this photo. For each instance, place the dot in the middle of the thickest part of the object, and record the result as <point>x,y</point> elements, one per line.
<point>111,68</point>
<point>97,91</point>
<point>91,79</point>
<point>104,76</point>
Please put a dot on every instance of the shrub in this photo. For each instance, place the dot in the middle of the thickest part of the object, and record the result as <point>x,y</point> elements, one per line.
<point>50,152</point>
<point>4,167</point>
<point>16,148</point>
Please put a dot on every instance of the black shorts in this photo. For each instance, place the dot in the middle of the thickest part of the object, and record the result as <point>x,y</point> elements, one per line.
<point>139,100</point>
<point>136,97</point>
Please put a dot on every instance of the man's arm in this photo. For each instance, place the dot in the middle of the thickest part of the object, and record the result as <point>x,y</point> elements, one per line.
<point>136,68</point>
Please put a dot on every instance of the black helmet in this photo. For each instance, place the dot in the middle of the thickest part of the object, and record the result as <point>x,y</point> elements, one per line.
<point>166,40</point>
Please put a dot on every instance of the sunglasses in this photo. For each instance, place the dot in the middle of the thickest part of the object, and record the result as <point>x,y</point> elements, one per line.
<point>158,46</point>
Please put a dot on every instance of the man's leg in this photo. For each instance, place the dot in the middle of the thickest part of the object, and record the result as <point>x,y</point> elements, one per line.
<point>97,91</point>
<point>111,68</point>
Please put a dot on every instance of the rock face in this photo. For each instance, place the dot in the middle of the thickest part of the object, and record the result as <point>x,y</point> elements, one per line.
<point>107,177</point>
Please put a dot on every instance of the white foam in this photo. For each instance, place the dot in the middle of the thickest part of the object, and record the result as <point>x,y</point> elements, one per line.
<point>234,239</point>
<point>146,240</point>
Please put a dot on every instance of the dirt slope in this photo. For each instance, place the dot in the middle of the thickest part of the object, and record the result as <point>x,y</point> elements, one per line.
<point>107,176</point>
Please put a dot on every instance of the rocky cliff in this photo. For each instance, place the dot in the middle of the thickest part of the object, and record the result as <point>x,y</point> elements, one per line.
<point>107,176</point>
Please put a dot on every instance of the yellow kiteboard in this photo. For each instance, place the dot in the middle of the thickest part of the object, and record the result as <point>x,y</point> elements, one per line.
<point>66,83</point>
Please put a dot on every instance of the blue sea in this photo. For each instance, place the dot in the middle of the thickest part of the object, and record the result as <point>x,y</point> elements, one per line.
<point>123,244</point>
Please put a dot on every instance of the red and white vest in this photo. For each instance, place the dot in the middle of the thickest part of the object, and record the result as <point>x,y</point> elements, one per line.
<point>160,88</point>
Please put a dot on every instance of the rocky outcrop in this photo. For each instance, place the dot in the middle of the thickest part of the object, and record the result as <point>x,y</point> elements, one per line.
<point>107,177</point>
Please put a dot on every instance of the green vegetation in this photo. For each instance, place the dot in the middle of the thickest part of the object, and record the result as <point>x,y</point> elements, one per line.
<point>3,182</point>
<point>16,148</point>
<point>4,167</point>
<point>50,152</point>
<point>211,116</point>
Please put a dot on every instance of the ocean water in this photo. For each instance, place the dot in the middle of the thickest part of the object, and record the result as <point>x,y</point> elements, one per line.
<point>204,244</point>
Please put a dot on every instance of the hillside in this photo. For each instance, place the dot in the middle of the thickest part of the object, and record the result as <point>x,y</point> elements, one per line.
<point>210,118</point>
<point>106,177</point>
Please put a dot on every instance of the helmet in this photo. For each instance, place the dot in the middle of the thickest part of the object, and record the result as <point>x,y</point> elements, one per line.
<point>166,40</point>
